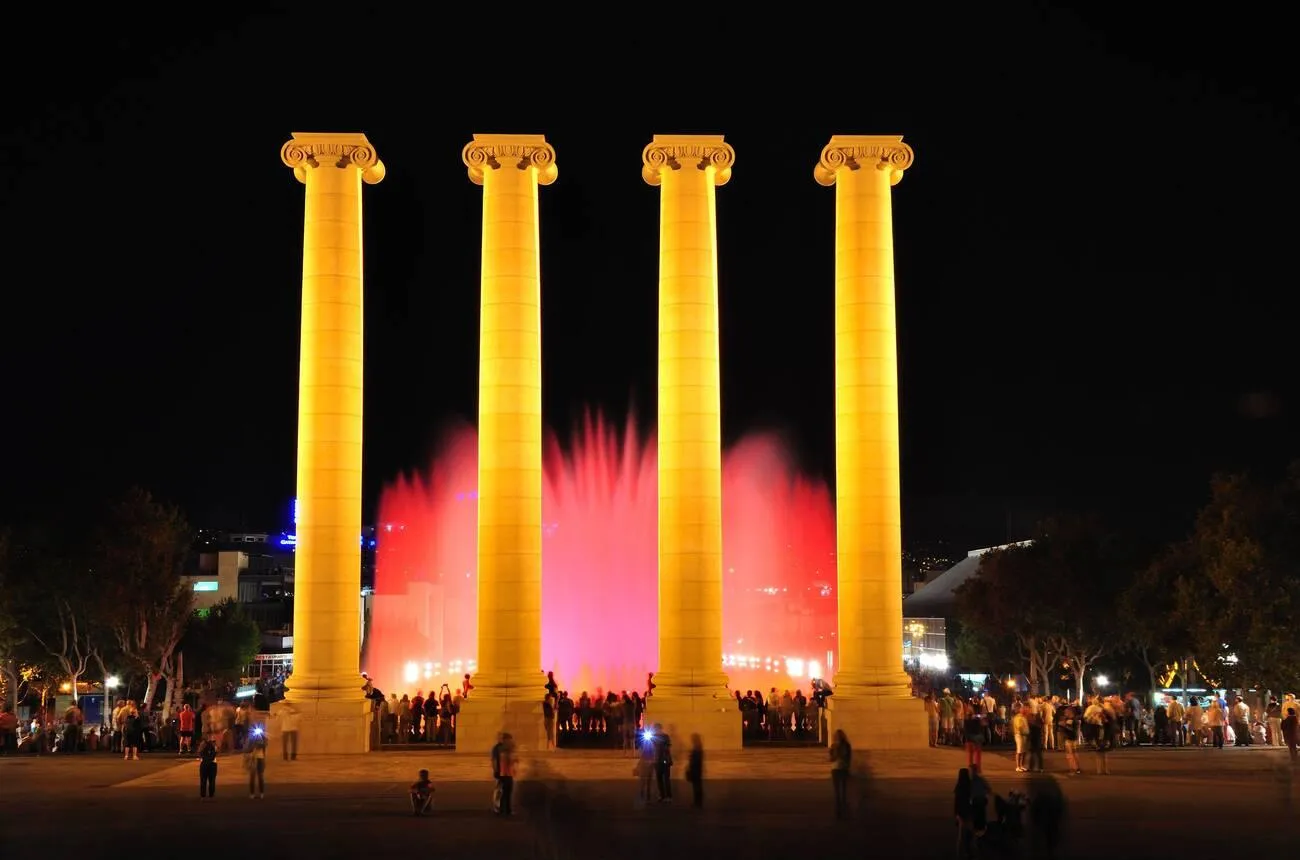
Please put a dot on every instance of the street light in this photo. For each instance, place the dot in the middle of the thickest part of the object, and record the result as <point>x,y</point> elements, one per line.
<point>112,681</point>
<point>1101,680</point>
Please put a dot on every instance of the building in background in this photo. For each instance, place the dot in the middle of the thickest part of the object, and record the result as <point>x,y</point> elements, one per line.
<point>256,570</point>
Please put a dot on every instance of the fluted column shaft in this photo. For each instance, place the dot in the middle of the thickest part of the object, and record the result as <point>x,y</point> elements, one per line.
<point>687,169</point>
<point>868,514</point>
<point>510,167</point>
<point>327,567</point>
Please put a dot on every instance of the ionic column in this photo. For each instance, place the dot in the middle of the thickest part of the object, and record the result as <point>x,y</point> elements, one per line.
<point>326,683</point>
<point>872,700</point>
<point>508,685</point>
<point>690,694</point>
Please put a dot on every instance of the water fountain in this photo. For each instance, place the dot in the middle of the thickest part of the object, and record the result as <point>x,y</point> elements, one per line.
<point>599,606</point>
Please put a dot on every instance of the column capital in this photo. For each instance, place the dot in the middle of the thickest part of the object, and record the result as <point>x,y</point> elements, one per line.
<point>855,151</point>
<point>676,151</point>
<point>349,149</point>
<point>494,151</point>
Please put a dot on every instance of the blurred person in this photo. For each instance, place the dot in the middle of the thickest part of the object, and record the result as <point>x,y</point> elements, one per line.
<point>695,772</point>
<point>208,767</point>
<point>841,755</point>
<point>255,760</point>
<point>974,734</point>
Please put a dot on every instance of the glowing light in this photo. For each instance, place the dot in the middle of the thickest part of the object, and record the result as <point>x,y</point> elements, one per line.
<point>66,687</point>
<point>112,682</point>
<point>601,564</point>
<point>935,662</point>
<point>794,668</point>
<point>412,673</point>
<point>206,585</point>
<point>1102,680</point>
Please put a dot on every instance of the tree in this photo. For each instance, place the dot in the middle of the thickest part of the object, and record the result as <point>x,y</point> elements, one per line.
<point>1237,589</point>
<point>1148,609</point>
<point>26,606</point>
<point>13,636</point>
<point>1090,567</point>
<point>1008,602</point>
<point>1054,594</point>
<point>142,547</point>
<point>216,646</point>
<point>60,613</point>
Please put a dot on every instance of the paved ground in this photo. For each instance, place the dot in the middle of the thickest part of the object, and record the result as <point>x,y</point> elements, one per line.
<point>769,803</point>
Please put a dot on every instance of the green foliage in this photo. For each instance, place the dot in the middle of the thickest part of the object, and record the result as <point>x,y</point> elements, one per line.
<point>140,550</point>
<point>1055,596</point>
<point>1153,631</point>
<point>1236,581</point>
<point>220,642</point>
<point>983,651</point>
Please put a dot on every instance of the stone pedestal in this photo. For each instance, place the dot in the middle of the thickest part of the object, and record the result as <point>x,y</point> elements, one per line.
<point>716,720</point>
<point>483,718</point>
<point>878,720</point>
<point>325,727</point>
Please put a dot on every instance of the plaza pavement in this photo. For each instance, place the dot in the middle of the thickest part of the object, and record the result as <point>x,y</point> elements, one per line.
<point>760,803</point>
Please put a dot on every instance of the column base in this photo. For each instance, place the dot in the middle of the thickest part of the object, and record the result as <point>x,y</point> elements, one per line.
<point>716,720</point>
<point>483,718</point>
<point>325,726</point>
<point>889,719</point>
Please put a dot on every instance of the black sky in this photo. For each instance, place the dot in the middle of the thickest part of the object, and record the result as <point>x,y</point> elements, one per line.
<point>1094,248</point>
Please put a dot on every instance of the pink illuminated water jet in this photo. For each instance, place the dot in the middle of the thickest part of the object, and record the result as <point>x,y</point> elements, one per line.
<point>599,567</point>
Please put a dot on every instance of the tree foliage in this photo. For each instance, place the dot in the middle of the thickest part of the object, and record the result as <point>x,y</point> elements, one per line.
<point>61,612</point>
<point>1055,596</point>
<point>1153,630</point>
<point>1236,581</point>
<point>141,549</point>
<point>220,643</point>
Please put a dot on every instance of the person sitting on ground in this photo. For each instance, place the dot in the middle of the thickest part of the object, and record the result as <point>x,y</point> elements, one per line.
<point>422,794</point>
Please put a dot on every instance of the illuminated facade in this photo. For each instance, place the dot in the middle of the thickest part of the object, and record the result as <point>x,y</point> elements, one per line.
<point>690,693</point>
<point>324,688</point>
<point>508,684</point>
<point>873,701</point>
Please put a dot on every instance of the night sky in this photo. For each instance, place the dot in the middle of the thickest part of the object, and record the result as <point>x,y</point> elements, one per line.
<point>1094,247</point>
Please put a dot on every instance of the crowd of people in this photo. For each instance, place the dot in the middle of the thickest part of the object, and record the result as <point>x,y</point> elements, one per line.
<point>1103,723</point>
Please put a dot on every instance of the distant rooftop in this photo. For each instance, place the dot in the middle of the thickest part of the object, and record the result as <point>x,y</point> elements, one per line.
<point>937,598</point>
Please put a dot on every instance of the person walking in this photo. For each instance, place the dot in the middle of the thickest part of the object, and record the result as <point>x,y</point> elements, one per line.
<point>841,762</point>
<point>506,766</point>
<point>663,745</point>
<point>695,772</point>
<point>289,731</point>
<point>255,761</point>
<point>208,767</point>
<point>1290,729</point>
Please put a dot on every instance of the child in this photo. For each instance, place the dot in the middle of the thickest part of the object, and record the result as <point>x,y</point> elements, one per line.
<point>422,794</point>
<point>208,768</point>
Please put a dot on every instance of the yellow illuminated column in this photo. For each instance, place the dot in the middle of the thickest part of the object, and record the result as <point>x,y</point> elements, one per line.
<point>872,700</point>
<point>325,688</point>
<point>508,684</point>
<point>690,693</point>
